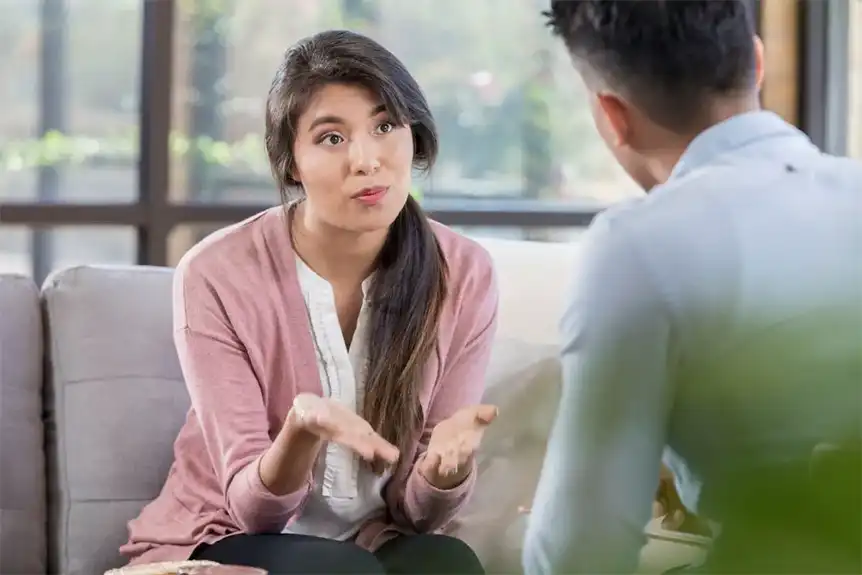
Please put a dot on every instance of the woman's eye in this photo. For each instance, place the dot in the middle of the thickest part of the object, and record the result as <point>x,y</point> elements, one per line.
<point>332,139</point>
<point>386,127</point>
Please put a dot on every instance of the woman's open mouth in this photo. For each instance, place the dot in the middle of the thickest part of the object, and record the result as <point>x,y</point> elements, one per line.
<point>372,195</point>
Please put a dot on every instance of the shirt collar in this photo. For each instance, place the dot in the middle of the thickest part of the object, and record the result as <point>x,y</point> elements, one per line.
<point>732,134</point>
<point>311,282</point>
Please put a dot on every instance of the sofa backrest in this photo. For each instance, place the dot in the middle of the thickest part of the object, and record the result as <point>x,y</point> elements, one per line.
<point>533,279</point>
<point>22,467</point>
<point>115,401</point>
<point>523,380</point>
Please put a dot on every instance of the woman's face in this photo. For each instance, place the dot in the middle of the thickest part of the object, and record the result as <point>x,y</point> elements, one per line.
<point>354,164</point>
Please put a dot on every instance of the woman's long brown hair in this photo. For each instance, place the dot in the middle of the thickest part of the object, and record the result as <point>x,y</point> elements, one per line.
<point>409,288</point>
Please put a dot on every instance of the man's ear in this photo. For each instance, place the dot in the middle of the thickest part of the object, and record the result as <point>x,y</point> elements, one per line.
<point>759,60</point>
<point>617,115</point>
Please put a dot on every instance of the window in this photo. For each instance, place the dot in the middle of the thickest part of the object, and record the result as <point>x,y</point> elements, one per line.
<point>69,120</point>
<point>854,108</point>
<point>147,116</point>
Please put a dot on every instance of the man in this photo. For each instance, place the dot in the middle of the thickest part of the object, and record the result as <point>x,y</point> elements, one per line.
<point>718,320</point>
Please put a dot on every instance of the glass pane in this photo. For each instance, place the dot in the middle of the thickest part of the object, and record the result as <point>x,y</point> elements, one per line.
<point>513,117</point>
<point>15,250</point>
<point>854,108</point>
<point>92,53</point>
<point>19,114</point>
<point>183,237</point>
<point>93,245</point>
<point>65,247</point>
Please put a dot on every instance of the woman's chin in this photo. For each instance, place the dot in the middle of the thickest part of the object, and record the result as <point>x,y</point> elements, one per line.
<point>379,216</point>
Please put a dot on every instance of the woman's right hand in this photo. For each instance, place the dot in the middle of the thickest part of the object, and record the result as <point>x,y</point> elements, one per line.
<point>330,421</point>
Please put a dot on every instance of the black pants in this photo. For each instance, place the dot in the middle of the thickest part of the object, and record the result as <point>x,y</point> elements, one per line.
<point>286,554</point>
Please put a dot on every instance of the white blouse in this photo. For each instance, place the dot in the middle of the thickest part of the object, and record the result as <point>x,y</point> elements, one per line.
<point>345,494</point>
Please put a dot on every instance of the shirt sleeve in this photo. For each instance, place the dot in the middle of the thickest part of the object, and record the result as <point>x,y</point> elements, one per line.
<point>418,505</point>
<point>601,468</point>
<point>228,403</point>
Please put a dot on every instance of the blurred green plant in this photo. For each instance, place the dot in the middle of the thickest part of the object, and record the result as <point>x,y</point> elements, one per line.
<point>56,148</point>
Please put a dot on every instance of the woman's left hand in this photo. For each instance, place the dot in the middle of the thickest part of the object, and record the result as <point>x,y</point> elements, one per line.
<point>453,443</point>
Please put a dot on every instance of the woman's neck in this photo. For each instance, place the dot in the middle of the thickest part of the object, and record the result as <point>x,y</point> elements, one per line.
<point>337,255</point>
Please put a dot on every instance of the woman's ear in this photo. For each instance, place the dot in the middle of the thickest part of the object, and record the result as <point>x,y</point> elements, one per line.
<point>293,174</point>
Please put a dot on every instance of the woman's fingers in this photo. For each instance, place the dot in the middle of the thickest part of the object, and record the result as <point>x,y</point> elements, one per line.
<point>432,459</point>
<point>485,414</point>
<point>450,460</point>
<point>457,452</point>
<point>356,442</point>
<point>385,450</point>
<point>369,446</point>
<point>332,422</point>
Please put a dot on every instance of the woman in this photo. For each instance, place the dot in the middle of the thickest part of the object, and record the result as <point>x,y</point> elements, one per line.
<point>334,347</point>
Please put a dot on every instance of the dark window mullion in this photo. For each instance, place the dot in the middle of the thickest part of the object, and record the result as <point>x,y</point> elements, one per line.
<point>155,125</point>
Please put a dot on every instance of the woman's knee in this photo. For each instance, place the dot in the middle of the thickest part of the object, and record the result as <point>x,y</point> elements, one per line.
<point>358,560</point>
<point>327,556</point>
<point>430,553</point>
<point>445,542</point>
<point>289,554</point>
<point>454,548</point>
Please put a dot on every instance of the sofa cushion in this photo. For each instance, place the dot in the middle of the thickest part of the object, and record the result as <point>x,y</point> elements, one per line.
<point>22,465</point>
<point>534,279</point>
<point>115,401</point>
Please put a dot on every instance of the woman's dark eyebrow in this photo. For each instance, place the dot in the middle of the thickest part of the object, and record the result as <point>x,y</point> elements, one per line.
<point>336,120</point>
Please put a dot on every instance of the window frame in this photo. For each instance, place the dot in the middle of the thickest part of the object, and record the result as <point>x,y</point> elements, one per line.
<point>824,68</point>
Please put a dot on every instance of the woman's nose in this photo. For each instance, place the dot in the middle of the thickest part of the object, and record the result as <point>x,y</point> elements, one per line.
<point>364,156</point>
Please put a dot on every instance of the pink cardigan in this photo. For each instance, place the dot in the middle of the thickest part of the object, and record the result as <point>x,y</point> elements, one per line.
<point>245,347</point>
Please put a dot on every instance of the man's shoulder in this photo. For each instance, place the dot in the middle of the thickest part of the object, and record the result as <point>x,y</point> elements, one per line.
<point>668,231</point>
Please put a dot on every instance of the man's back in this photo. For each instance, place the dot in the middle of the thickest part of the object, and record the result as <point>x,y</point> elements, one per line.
<point>756,246</point>
<point>718,320</point>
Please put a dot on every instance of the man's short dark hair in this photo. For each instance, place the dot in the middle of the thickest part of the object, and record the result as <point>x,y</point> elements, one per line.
<point>666,56</point>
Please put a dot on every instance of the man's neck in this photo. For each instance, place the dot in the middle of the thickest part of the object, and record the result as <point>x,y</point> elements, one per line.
<point>337,255</point>
<point>663,161</point>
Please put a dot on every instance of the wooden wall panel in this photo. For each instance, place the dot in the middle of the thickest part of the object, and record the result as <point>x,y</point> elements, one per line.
<point>780,32</point>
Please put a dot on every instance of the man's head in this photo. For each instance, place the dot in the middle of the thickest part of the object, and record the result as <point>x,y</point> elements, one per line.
<point>660,71</point>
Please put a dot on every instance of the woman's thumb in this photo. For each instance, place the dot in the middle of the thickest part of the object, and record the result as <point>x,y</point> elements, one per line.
<point>486,413</point>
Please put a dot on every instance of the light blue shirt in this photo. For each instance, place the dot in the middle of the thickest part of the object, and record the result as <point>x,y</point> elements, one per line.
<point>717,321</point>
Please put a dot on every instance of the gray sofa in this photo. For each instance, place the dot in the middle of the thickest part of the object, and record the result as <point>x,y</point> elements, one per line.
<point>104,413</point>
<point>91,399</point>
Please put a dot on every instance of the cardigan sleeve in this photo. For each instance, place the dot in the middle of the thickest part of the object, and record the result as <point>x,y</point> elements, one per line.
<point>228,402</point>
